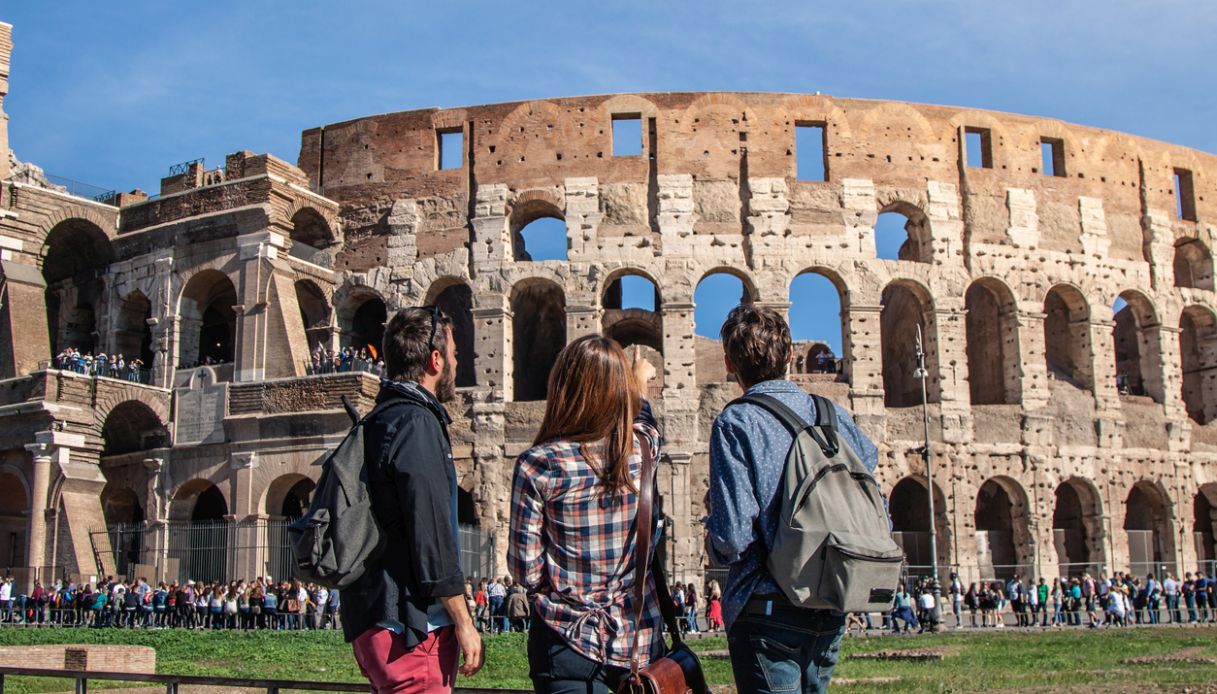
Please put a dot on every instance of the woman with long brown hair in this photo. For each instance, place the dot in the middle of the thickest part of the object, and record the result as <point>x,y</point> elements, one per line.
<point>574,501</point>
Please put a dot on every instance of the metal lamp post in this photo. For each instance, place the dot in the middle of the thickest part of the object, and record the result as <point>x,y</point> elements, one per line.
<point>921,374</point>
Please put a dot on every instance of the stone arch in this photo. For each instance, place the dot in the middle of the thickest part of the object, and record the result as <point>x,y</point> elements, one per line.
<point>1003,530</point>
<point>130,427</point>
<point>994,371</point>
<point>833,345</point>
<point>1078,530</point>
<point>311,228</point>
<point>1067,346</point>
<point>288,496</point>
<point>113,396</point>
<point>315,313</point>
<point>911,218</point>
<point>455,298</point>
<point>361,319</point>
<point>1149,526</point>
<point>1204,526</point>
<point>198,499</point>
<point>908,504</point>
<point>1193,264</point>
<point>133,334</point>
<point>74,255</point>
<point>751,291</point>
<point>14,516</point>
<point>199,531</point>
<point>207,333</point>
<point>538,309</point>
<point>1198,362</point>
<point>1138,346</point>
<point>528,226</point>
<point>121,506</point>
<point>907,305</point>
<point>631,325</point>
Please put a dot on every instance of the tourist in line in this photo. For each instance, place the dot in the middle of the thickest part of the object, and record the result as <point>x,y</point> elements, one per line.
<point>574,504</point>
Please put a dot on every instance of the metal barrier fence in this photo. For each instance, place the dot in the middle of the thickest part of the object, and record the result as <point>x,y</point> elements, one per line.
<point>221,550</point>
<point>172,683</point>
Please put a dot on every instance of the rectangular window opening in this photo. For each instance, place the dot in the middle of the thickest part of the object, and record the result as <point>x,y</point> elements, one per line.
<point>627,134</point>
<point>1185,195</point>
<point>451,148</point>
<point>1052,154</point>
<point>810,152</point>
<point>978,146</point>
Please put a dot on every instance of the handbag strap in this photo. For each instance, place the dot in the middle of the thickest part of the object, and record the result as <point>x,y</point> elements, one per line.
<point>644,561</point>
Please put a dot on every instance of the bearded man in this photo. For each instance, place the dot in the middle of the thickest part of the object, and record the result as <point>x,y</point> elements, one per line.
<point>406,617</point>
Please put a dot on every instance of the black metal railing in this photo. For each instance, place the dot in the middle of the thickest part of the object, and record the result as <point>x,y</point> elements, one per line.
<point>95,369</point>
<point>173,682</point>
<point>82,190</point>
<point>178,169</point>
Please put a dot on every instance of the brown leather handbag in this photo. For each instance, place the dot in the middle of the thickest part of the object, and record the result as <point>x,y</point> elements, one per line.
<point>679,671</point>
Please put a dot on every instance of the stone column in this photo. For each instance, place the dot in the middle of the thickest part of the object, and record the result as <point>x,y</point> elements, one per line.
<point>1031,357</point>
<point>165,325</point>
<point>580,321</point>
<point>1178,424</point>
<point>679,351</point>
<point>36,540</point>
<point>950,342</point>
<point>1103,375</point>
<point>270,338</point>
<point>864,362</point>
<point>28,342</point>
<point>490,239</point>
<point>492,331</point>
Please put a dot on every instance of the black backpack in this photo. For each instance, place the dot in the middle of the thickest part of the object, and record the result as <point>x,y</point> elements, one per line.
<point>335,540</point>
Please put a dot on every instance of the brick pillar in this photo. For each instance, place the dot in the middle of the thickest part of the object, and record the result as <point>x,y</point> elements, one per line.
<point>254,328</point>
<point>6,51</point>
<point>29,341</point>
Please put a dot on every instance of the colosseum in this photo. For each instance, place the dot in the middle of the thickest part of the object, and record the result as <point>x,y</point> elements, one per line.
<point>1062,277</point>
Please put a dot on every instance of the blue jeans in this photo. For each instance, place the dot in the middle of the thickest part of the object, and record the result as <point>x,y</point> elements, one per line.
<point>498,622</point>
<point>791,649</point>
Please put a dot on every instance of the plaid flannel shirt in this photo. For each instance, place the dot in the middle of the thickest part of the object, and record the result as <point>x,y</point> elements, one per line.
<point>573,548</point>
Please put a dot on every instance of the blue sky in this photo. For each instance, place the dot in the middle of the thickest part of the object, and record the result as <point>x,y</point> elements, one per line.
<point>114,95</point>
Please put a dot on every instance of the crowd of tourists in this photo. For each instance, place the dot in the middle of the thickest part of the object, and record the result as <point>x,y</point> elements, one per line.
<point>327,361</point>
<point>259,604</point>
<point>100,364</point>
<point>1121,599</point>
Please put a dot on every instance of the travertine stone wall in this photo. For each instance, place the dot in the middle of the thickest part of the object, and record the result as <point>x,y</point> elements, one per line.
<point>1011,274</point>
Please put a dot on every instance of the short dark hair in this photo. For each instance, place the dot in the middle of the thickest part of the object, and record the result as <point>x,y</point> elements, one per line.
<point>405,347</point>
<point>757,340</point>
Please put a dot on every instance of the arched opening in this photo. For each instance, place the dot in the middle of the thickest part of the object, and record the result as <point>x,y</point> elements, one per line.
<point>1193,264</point>
<point>74,258</point>
<point>130,427</point>
<point>208,320</point>
<point>910,513</point>
<point>14,519</point>
<point>994,374</point>
<point>314,314</point>
<point>538,333</point>
<point>538,232</point>
<point>902,233</point>
<point>1067,337</point>
<point>1198,361</point>
<point>133,336</point>
<point>907,307</point>
<point>199,532</point>
<point>1204,521</point>
<point>124,515</point>
<point>1077,528</point>
<point>466,509</point>
<point>309,233</point>
<point>716,294</point>
<point>1148,522</point>
<point>363,323</point>
<point>1137,343</point>
<point>631,316</point>
<point>816,317</point>
<point>288,496</point>
<point>456,301</point>
<point>1002,535</point>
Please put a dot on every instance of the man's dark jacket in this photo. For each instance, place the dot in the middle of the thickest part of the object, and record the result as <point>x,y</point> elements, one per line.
<point>412,482</point>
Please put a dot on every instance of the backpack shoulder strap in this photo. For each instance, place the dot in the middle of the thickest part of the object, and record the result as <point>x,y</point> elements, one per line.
<point>823,431</point>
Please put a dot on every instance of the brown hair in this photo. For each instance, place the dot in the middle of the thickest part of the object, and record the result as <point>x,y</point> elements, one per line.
<point>757,340</point>
<point>594,397</point>
<point>405,348</point>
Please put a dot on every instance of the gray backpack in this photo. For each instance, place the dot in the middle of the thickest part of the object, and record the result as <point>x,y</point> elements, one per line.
<point>338,536</point>
<point>833,548</point>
